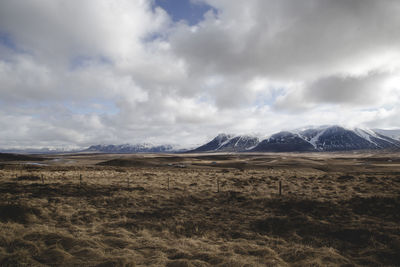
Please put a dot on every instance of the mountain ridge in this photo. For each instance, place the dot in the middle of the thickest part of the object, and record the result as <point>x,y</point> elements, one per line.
<point>313,139</point>
<point>228,143</point>
<point>128,148</point>
<point>306,139</point>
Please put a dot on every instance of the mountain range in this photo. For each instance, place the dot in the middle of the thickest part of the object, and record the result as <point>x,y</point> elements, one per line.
<point>308,139</point>
<point>324,138</point>
<point>128,148</point>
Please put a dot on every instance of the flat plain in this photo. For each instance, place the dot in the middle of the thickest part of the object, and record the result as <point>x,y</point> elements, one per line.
<point>335,209</point>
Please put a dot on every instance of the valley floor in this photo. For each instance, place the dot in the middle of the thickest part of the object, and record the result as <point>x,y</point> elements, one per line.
<point>201,210</point>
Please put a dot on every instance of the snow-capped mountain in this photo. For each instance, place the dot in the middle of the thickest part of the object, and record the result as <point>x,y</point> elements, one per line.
<point>327,138</point>
<point>239,143</point>
<point>321,138</point>
<point>284,142</point>
<point>324,138</point>
<point>229,143</point>
<point>128,148</point>
<point>337,138</point>
<point>214,144</point>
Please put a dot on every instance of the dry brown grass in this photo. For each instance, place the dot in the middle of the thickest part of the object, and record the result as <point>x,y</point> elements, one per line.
<point>336,210</point>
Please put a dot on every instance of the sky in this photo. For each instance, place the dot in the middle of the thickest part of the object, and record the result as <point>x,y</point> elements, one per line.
<point>81,72</point>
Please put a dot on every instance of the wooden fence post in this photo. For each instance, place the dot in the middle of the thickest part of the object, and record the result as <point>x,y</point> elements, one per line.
<point>42,178</point>
<point>80,179</point>
<point>168,183</point>
<point>218,185</point>
<point>280,188</point>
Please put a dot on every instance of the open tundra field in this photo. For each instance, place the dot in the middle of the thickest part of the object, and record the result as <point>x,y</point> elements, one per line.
<point>200,210</point>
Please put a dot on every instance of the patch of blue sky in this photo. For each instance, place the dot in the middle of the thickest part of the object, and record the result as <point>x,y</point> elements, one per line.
<point>187,10</point>
<point>374,109</point>
<point>8,47</point>
<point>204,99</point>
<point>7,41</point>
<point>82,61</point>
<point>268,98</point>
<point>153,37</point>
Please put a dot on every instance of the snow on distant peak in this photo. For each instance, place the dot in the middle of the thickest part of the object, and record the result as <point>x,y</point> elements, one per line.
<point>129,148</point>
<point>366,134</point>
<point>313,141</point>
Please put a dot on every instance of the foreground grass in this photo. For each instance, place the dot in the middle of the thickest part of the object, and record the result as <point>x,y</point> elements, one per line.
<point>322,219</point>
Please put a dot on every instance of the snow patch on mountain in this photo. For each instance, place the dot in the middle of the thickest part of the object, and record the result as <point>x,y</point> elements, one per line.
<point>366,134</point>
<point>129,148</point>
<point>229,143</point>
<point>327,138</point>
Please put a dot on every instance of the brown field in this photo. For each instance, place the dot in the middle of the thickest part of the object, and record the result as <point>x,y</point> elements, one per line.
<point>335,210</point>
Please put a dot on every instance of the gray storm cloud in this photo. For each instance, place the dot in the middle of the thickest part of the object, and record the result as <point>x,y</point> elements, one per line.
<point>354,90</point>
<point>291,39</point>
<point>102,71</point>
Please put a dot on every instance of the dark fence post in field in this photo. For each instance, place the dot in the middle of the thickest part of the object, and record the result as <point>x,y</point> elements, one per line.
<point>168,183</point>
<point>42,178</point>
<point>80,179</point>
<point>280,188</point>
<point>217,184</point>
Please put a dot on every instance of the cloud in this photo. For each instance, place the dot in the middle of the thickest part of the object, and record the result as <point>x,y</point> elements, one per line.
<point>365,90</point>
<point>102,71</point>
<point>371,90</point>
<point>290,39</point>
<point>58,30</point>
